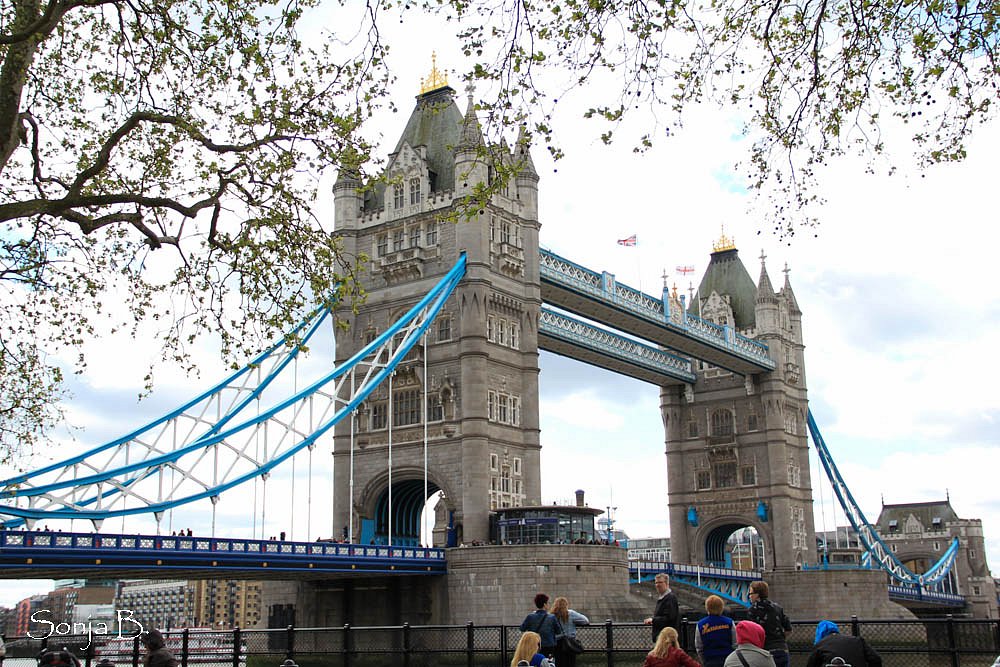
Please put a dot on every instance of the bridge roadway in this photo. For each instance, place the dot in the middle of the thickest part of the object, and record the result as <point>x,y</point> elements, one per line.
<point>56,555</point>
<point>600,298</point>
<point>734,585</point>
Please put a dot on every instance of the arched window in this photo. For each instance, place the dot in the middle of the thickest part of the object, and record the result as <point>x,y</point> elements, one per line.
<point>722,423</point>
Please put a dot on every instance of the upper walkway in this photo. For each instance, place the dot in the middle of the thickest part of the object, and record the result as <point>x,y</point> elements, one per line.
<point>599,297</point>
<point>56,555</point>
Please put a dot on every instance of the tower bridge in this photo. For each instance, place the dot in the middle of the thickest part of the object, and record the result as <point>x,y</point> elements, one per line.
<point>435,388</point>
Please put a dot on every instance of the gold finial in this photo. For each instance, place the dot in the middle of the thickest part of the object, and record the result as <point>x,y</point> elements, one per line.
<point>724,243</point>
<point>675,291</point>
<point>436,79</point>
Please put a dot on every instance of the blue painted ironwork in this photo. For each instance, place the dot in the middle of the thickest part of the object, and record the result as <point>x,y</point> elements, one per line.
<point>614,345</point>
<point>604,288</point>
<point>102,482</point>
<point>47,550</point>
<point>727,583</point>
<point>880,554</point>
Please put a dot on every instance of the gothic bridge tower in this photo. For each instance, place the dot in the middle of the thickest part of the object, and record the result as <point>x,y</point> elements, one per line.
<point>737,449</point>
<point>482,377</point>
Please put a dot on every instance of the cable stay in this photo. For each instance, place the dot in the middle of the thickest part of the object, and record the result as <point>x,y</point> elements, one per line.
<point>191,454</point>
<point>876,551</point>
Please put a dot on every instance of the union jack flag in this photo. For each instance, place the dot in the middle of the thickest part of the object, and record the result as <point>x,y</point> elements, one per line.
<point>630,241</point>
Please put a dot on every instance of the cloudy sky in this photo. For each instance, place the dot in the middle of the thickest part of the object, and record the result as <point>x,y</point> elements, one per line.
<point>900,318</point>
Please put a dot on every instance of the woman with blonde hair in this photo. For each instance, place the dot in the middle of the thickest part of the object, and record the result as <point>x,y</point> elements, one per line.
<point>569,619</point>
<point>527,651</point>
<point>668,652</point>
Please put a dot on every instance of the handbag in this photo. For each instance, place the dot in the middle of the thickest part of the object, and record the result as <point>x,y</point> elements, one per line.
<point>567,644</point>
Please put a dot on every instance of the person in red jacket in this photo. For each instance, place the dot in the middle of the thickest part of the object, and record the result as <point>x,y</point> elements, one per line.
<point>668,653</point>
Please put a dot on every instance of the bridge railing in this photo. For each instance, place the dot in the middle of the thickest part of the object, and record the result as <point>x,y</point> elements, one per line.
<point>943,641</point>
<point>603,287</point>
<point>49,540</point>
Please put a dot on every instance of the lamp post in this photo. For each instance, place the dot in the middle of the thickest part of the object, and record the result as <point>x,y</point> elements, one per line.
<point>611,524</point>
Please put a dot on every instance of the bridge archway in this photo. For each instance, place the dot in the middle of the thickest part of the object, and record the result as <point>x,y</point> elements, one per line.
<point>408,505</point>
<point>735,543</point>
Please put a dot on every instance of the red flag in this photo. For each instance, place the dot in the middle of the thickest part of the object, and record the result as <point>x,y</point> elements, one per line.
<point>630,241</point>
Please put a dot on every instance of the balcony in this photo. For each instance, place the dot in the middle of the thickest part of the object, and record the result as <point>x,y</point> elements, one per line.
<point>405,264</point>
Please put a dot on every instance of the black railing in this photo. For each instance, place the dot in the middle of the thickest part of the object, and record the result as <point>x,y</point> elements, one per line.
<point>948,642</point>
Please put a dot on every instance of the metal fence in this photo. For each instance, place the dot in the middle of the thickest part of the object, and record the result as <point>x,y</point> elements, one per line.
<point>946,642</point>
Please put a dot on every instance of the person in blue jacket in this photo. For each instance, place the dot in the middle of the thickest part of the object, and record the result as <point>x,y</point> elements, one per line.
<point>545,624</point>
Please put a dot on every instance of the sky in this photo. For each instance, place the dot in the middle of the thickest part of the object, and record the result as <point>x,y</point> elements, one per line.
<point>896,285</point>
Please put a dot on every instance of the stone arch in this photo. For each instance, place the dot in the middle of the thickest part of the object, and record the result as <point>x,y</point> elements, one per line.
<point>711,539</point>
<point>407,492</point>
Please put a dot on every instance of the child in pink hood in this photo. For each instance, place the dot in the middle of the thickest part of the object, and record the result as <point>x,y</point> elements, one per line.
<point>749,647</point>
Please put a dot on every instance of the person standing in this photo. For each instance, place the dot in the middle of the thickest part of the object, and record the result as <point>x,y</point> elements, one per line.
<point>667,612</point>
<point>830,644</point>
<point>545,624</point>
<point>157,654</point>
<point>667,652</point>
<point>749,650</point>
<point>568,619</point>
<point>771,617</point>
<point>715,634</point>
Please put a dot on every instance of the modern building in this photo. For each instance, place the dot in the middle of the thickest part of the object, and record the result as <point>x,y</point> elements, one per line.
<point>216,603</point>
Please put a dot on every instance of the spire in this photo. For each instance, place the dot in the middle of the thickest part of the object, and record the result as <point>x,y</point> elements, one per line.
<point>472,134</point>
<point>764,290</point>
<point>522,154</point>
<point>793,305</point>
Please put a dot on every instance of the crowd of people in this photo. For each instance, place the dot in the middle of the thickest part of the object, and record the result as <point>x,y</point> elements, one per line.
<point>548,637</point>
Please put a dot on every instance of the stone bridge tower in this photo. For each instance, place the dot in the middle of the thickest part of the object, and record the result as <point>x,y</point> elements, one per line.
<point>482,379</point>
<point>737,449</point>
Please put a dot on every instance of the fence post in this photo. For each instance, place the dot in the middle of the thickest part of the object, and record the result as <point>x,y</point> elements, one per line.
<point>135,651</point>
<point>237,646</point>
<point>609,641</point>
<point>855,626</point>
<point>952,645</point>
<point>470,644</point>
<point>347,645</point>
<point>88,654</point>
<point>290,642</point>
<point>406,645</point>
<point>684,633</point>
<point>996,636</point>
<point>185,645</point>
<point>505,657</point>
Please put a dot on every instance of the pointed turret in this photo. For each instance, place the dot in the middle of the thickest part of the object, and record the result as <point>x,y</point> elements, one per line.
<point>786,291</point>
<point>522,155</point>
<point>470,165</point>
<point>347,196</point>
<point>472,132</point>
<point>764,290</point>
<point>767,301</point>
<point>527,178</point>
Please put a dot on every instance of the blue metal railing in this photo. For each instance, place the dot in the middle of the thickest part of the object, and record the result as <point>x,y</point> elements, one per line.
<point>604,288</point>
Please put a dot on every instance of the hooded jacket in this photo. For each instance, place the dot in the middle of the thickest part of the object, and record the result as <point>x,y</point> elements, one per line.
<point>157,653</point>
<point>750,643</point>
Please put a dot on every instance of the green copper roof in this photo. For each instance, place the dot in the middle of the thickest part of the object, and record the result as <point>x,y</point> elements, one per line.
<point>727,275</point>
<point>435,123</point>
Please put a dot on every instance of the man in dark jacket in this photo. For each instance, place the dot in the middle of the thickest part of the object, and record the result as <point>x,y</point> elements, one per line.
<point>157,654</point>
<point>545,624</point>
<point>667,612</point>
<point>771,617</point>
<point>830,644</point>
